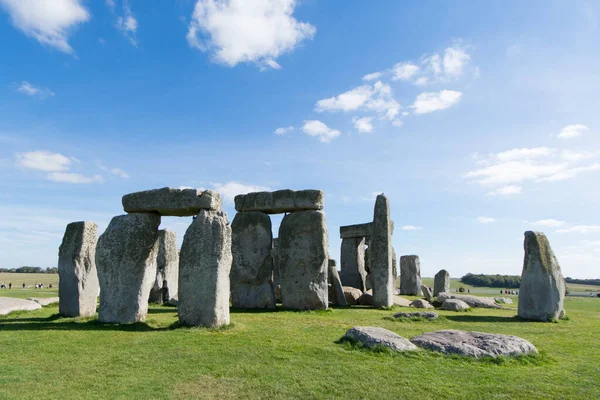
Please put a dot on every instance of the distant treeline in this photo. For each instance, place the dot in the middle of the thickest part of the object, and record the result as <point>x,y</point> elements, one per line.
<point>583,281</point>
<point>496,281</point>
<point>31,270</point>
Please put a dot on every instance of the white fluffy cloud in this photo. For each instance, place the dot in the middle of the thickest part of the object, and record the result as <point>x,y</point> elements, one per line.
<point>404,71</point>
<point>373,76</point>
<point>572,131</point>
<point>72,177</point>
<point>411,228</point>
<point>128,24</point>
<point>34,91</point>
<point>238,31</point>
<point>231,189</point>
<point>580,229</point>
<point>363,125</point>
<point>486,220</point>
<point>284,130</point>
<point>507,190</point>
<point>49,22</point>
<point>114,171</point>
<point>428,102</point>
<point>455,60</point>
<point>43,161</point>
<point>318,129</point>
<point>516,154</point>
<point>549,223</point>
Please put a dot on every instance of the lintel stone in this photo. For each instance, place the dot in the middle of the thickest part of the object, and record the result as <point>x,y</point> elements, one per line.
<point>280,201</point>
<point>172,202</point>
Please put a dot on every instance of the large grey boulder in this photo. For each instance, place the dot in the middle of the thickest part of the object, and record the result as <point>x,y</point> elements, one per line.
<point>352,295</point>
<point>426,293</point>
<point>473,301</point>
<point>371,336</point>
<point>336,291</point>
<point>78,286</point>
<point>303,248</point>
<point>542,292</point>
<point>417,314</point>
<point>401,301</point>
<point>172,202</point>
<point>420,303</point>
<point>9,304</point>
<point>126,261</point>
<point>441,282</point>
<point>166,283</point>
<point>280,201</point>
<point>503,300</point>
<point>204,267</point>
<point>353,263</point>
<point>410,275</point>
<point>381,254</point>
<point>366,299</point>
<point>455,305</point>
<point>252,269</point>
<point>473,344</point>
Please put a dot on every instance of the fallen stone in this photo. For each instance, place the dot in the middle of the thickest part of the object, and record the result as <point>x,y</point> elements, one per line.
<point>9,304</point>
<point>401,301</point>
<point>280,201</point>
<point>542,292</point>
<point>371,336</point>
<point>473,301</point>
<point>204,267</point>
<point>45,301</point>
<point>426,315</point>
<point>353,263</point>
<point>172,202</point>
<point>455,305</point>
<point>410,275</point>
<point>366,299</point>
<point>166,283</point>
<point>380,254</point>
<point>474,344</point>
<point>503,300</point>
<point>78,286</point>
<point>173,301</point>
<point>352,295</point>
<point>336,296</point>
<point>420,303</point>
<point>441,282</point>
<point>426,293</point>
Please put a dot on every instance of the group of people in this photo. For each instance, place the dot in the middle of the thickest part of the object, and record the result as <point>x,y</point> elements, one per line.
<point>37,285</point>
<point>3,285</point>
<point>509,292</point>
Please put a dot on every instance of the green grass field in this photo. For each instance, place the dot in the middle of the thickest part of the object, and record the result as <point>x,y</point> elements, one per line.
<point>29,280</point>
<point>290,355</point>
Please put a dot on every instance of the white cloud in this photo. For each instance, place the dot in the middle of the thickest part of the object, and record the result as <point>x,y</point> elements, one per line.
<point>428,102</point>
<point>126,23</point>
<point>110,4</point>
<point>580,229</point>
<point>49,22</point>
<point>550,223</point>
<point>455,61</point>
<point>576,155</point>
<point>114,171</point>
<point>283,131</point>
<point>514,172</point>
<point>372,76</point>
<point>411,228</point>
<point>572,131</point>
<point>34,91</point>
<point>486,220</point>
<point>404,71</point>
<point>319,129</point>
<point>43,161</point>
<point>238,31</point>
<point>524,153</point>
<point>569,173</point>
<point>507,190</point>
<point>231,189</point>
<point>72,177</point>
<point>363,125</point>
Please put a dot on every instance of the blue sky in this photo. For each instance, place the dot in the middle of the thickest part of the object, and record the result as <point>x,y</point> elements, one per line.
<point>479,120</point>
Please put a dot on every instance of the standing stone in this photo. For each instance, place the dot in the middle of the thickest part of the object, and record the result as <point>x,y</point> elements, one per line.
<point>336,291</point>
<point>368,278</point>
<point>394,268</point>
<point>426,293</point>
<point>204,267</point>
<point>304,260</point>
<point>381,254</point>
<point>126,261</point>
<point>441,282</point>
<point>410,275</point>
<point>542,291</point>
<point>167,268</point>
<point>276,270</point>
<point>252,269</point>
<point>353,263</point>
<point>78,286</point>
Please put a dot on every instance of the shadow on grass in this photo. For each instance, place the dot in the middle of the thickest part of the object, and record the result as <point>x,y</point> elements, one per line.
<point>162,310</point>
<point>482,318</point>
<point>279,308</point>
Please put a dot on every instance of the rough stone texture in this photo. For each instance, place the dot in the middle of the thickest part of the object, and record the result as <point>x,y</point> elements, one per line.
<point>356,231</point>
<point>371,336</point>
<point>172,202</point>
<point>353,263</point>
<point>204,267</point>
<point>304,256</point>
<point>401,301</point>
<point>45,301</point>
<point>473,344</point>
<point>410,275</point>
<point>418,314</point>
<point>542,292</point>
<point>420,303</point>
<point>503,300</point>
<point>9,304</point>
<point>441,282</point>
<point>394,269</point>
<point>380,257</point>
<point>366,299</point>
<point>426,293</point>
<point>473,301</point>
<point>280,201</point>
<point>126,261</point>
<point>352,295</point>
<point>276,262</point>
<point>78,286</point>
<point>166,283</point>
<point>336,291</point>
<point>252,269</point>
<point>455,305</point>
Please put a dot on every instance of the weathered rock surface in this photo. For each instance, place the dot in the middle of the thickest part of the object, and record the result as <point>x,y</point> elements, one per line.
<point>78,286</point>
<point>394,269</point>
<point>356,231</point>
<point>474,344</point>
<point>410,275</point>
<point>303,249</point>
<point>455,305</point>
<point>366,299</point>
<point>418,314</point>
<point>420,303</point>
<point>336,292</point>
<point>252,269</point>
<point>401,301</point>
<point>542,292</point>
<point>172,202</point>
<point>126,261</point>
<point>353,263</point>
<point>166,283</point>
<point>503,300</point>
<point>473,301</point>
<point>280,201</point>
<point>45,301</point>
<point>371,336</point>
<point>426,293</point>
<point>9,304</point>
<point>276,263</point>
<point>352,295</point>
<point>380,253</point>
<point>204,267</point>
<point>441,282</point>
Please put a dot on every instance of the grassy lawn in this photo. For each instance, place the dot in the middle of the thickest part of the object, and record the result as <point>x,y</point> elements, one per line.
<point>29,280</point>
<point>289,355</point>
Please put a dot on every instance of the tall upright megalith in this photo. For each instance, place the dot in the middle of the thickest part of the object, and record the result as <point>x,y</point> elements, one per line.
<point>353,262</point>
<point>410,275</point>
<point>303,250</point>
<point>252,268</point>
<point>380,258</point>
<point>542,292</point>
<point>204,267</point>
<point>78,286</point>
<point>126,261</point>
<point>441,282</point>
<point>167,268</point>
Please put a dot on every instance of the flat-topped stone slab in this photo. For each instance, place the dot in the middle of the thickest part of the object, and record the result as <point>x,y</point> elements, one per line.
<point>172,202</point>
<point>9,304</point>
<point>371,336</point>
<point>359,230</point>
<point>426,315</point>
<point>280,201</point>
